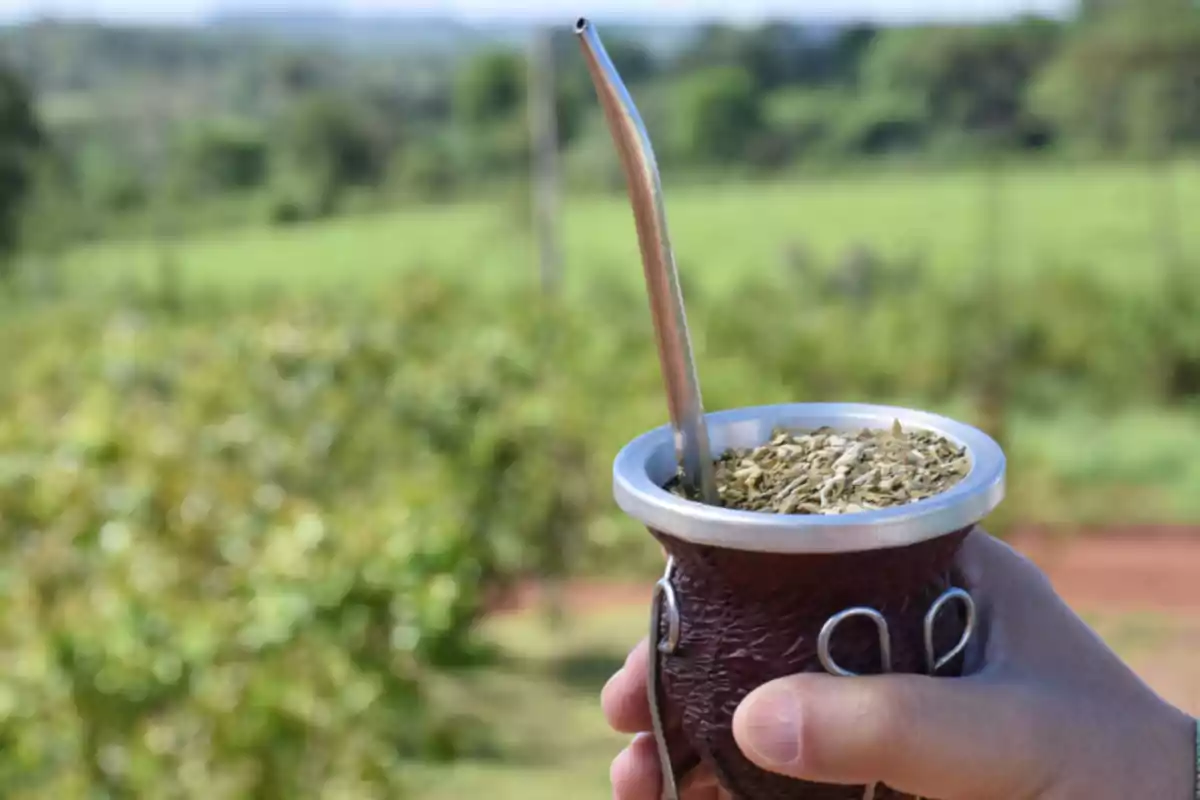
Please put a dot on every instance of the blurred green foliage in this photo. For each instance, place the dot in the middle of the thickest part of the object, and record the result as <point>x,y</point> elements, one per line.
<point>21,141</point>
<point>134,108</point>
<point>238,534</point>
<point>233,543</point>
<point>330,144</point>
<point>491,88</point>
<point>1129,81</point>
<point>225,157</point>
<point>722,113</point>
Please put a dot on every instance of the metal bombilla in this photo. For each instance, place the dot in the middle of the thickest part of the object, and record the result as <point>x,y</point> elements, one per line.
<point>692,449</point>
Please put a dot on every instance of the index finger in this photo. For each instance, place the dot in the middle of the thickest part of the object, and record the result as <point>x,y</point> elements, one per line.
<point>626,705</point>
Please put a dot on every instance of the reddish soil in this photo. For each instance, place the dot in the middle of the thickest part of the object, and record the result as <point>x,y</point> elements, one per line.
<point>1130,570</point>
<point>1119,570</point>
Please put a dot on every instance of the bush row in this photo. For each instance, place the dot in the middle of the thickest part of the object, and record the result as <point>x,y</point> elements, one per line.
<point>237,538</point>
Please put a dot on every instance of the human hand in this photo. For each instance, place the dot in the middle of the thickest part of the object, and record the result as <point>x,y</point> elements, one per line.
<point>1047,712</point>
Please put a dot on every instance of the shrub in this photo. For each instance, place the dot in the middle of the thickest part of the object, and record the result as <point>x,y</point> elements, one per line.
<point>234,545</point>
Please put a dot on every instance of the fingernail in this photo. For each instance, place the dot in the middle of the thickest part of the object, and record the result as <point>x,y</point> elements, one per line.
<point>772,727</point>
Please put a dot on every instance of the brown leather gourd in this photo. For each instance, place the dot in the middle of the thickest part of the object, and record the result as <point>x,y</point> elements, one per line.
<point>747,618</point>
<point>751,592</point>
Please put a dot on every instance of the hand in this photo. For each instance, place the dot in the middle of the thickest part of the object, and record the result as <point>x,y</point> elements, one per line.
<point>1047,712</point>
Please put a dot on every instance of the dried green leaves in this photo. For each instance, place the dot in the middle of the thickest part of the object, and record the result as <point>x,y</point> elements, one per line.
<point>828,472</point>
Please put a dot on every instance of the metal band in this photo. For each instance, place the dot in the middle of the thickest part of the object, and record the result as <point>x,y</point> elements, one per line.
<point>648,463</point>
<point>664,595</point>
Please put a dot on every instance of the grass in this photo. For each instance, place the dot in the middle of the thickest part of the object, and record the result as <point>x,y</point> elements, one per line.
<point>1095,217</point>
<point>1147,456</point>
<point>544,704</point>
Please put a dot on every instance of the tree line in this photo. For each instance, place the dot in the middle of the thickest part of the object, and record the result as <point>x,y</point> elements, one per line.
<point>304,129</point>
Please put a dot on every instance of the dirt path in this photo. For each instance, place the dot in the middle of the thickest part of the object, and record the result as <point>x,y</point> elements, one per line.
<point>1126,570</point>
<point>1153,570</point>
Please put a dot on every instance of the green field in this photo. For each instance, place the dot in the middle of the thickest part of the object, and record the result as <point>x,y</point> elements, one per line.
<point>1101,219</point>
<point>542,704</point>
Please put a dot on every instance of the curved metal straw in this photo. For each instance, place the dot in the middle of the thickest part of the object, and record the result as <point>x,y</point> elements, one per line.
<point>692,448</point>
<point>933,662</point>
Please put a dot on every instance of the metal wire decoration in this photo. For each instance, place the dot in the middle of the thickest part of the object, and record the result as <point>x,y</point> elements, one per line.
<point>933,662</point>
<point>663,602</point>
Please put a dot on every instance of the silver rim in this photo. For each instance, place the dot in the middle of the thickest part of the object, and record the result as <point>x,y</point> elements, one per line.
<point>648,463</point>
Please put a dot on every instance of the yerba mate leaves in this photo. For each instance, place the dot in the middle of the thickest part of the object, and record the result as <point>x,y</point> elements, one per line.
<point>830,472</point>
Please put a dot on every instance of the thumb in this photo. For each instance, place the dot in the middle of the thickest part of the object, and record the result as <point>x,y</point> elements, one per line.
<point>953,738</point>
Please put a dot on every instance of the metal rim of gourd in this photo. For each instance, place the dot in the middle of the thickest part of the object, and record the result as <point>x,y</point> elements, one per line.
<point>647,464</point>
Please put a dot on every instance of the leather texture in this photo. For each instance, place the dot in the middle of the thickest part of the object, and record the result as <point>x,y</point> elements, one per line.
<point>748,618</point>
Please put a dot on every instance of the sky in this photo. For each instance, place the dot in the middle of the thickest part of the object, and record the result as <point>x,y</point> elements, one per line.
<point>190,10</point>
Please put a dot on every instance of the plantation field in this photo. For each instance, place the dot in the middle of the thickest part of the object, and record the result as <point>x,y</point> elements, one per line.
<point>1080,252</point>
<point>257,492</point>
<point>1103,219</point>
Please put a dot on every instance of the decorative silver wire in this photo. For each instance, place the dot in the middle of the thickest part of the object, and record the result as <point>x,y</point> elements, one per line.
<point>933,662</point>
<point>830,627</point>
<point>832,667</point>
<point>663,601</point>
